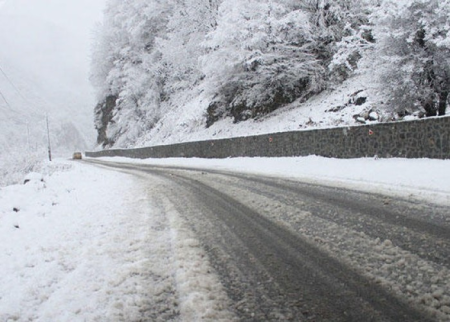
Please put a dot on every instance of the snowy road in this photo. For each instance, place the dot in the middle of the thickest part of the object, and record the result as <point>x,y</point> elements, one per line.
<point>286,250</point>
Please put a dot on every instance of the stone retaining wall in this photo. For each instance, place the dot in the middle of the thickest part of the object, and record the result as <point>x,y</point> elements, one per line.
<point>426,138</point>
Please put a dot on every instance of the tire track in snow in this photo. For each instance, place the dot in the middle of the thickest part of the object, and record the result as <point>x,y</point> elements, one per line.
<point>419,228</point>
<point>425,283</point>
<point>182,285</point>
<point>302,280</point>
<point>381,266</point>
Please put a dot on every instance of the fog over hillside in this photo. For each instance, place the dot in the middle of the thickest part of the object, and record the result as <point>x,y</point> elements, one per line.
<point>44,59</point>
<point>44,69</point>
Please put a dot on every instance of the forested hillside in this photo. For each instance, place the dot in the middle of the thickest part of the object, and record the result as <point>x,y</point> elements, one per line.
<point>161,66</point>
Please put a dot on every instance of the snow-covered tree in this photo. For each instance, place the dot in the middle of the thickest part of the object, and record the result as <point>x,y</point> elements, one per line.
<point>414,51</point>
<point>181,48</point>
<point>126,69</point>
<point>264,54</point>
<point>343,32</point>
<point>248,58</point>
<point>258,58</point>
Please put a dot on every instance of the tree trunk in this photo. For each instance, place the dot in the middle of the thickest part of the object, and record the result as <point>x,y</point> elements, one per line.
<point>443,96</point>
<point>429,107</point>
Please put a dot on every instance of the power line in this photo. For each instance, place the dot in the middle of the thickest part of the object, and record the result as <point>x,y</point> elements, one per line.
<point>21,96</point>
<point>48,138</point>
<point>12,84</point>
<point>10,108</point>
<point>6,101</point>
<point>32,113</point>
<point>19,113</point>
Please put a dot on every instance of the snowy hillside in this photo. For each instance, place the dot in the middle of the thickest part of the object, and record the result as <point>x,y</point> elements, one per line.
<point>174,71</point>
<point>331,108</point>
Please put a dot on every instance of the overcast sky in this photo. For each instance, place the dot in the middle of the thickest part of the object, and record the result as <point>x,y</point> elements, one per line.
<point>76,15</point>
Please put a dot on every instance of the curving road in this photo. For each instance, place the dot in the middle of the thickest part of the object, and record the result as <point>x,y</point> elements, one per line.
<point>290,251</point>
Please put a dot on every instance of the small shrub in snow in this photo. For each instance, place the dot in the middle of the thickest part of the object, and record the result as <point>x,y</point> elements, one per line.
<point>17,164</point>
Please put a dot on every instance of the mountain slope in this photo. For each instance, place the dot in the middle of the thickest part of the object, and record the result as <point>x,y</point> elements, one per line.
<point>168,72</point>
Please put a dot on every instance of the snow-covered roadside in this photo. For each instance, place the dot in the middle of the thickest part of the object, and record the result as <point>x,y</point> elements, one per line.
<point>420,179</point>
<point>68,246</point>
<point>79,243</point>
<point>87,244</point>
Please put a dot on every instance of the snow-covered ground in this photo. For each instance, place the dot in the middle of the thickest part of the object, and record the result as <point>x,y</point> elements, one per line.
<point>80,243</point>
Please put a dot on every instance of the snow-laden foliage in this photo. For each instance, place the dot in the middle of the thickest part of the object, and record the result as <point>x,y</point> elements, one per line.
<point>244,59</point>
<point>20,155</point>
<point>17,163</point>
<point>180,49</point>
<point>346,32</point>
<point>126,67</point>
<point>414,54</point>
<point>259,57</point>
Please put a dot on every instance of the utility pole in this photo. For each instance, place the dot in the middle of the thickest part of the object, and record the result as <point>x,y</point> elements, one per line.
<point>48,138</point>
<point>28,137</point>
